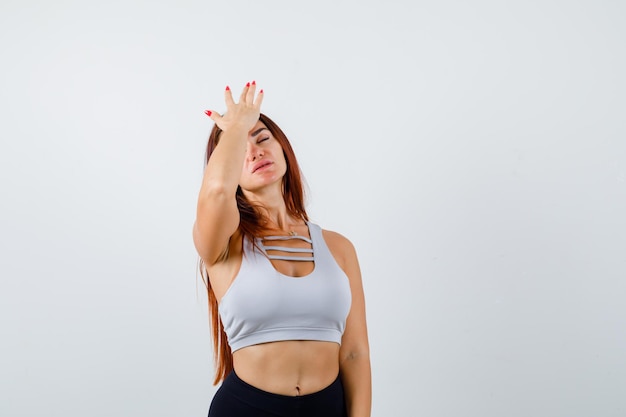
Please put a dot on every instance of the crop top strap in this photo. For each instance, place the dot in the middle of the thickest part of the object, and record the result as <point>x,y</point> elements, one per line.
<point>287,249</point>
<point>306,239</point>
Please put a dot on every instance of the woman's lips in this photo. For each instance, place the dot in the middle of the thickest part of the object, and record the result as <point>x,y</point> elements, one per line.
<point>261,165</point>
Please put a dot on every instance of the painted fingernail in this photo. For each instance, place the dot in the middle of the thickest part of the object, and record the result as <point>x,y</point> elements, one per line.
<point>253,82</point>
<point>261,92</point>
<point>227,88</point>
<point>208,113</point>
<point>248,85</point>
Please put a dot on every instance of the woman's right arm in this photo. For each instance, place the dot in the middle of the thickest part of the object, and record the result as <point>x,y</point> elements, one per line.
<point>217,216</point>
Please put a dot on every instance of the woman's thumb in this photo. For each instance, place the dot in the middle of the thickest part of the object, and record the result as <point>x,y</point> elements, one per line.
<point>212,115</point>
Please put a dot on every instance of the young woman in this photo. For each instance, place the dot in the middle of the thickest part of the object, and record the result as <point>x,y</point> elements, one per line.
<point>285,297</point>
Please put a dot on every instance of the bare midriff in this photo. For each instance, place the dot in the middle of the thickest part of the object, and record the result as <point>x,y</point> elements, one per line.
<point>293,367</point>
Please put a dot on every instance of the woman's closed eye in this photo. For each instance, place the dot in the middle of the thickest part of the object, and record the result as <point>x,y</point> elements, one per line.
<point>263,139</point>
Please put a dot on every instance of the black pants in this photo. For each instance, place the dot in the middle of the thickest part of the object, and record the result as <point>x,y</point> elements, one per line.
<point>236,398</point>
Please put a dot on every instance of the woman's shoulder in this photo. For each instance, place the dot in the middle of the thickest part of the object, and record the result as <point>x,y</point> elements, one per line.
<point>339,245</point>
<point>344,253</point>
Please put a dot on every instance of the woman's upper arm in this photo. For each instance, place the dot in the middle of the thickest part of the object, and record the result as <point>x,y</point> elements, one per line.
<point>217,219</point>
<point>355,340</point>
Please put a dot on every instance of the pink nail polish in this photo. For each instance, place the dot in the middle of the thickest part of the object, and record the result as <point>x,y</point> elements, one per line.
<point>208,113</point>
<point>248,85</point>
<point>253,82</point>
<point>227,88</point>
<point>261,92</point>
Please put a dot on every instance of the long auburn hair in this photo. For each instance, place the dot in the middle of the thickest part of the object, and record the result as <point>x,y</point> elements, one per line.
<point>251,224</point>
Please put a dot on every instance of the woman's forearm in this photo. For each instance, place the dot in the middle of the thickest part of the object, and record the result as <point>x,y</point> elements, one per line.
<point>356,377</point>
<point>223,171</point>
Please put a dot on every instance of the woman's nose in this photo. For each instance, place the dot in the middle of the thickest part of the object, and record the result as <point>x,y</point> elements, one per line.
<point>254,152</point>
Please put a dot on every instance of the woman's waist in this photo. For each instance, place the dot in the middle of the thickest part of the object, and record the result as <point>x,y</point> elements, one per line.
<point>293,367</point>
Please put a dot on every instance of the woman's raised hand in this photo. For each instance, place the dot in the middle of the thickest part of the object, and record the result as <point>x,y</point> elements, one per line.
<point>242,115</point>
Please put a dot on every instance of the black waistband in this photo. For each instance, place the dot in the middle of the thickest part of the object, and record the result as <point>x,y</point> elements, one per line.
<point>237,398</point>
<point>234,379</point>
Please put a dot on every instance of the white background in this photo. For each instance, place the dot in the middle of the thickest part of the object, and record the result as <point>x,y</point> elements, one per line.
<point>474,153</point>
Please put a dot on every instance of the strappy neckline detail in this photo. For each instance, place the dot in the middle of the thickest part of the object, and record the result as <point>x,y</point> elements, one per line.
<point>290,253</point>
<point>288,249</point>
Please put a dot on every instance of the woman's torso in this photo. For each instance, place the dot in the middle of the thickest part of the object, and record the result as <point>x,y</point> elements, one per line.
<point>290,367</point>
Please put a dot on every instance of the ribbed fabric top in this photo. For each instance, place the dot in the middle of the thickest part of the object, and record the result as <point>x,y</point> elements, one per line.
<point>263,305</point>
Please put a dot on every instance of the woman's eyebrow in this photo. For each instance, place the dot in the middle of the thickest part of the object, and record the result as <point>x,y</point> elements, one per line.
<point>256,132</point>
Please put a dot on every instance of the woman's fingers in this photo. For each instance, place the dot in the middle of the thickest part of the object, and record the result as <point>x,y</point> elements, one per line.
<point>242,98</point>
<point>245,111</point>
<point>228,97</point>
<point>218,119</point>
<point>213,115</point>
<point>259,99</point>
<point>246,97</point>
<point>251,89</point>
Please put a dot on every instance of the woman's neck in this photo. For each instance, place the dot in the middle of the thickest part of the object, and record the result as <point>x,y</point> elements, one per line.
<point>274,209</point>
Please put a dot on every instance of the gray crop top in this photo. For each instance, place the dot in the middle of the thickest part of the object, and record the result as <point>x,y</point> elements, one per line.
<point>263,305</point>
